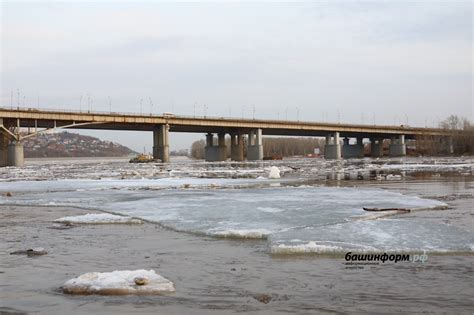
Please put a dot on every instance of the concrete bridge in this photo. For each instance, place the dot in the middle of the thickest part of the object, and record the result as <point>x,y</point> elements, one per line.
<point>43,121</point>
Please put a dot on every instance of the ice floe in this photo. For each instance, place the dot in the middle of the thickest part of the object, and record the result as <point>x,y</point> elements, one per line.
<point>122,282</point>
<point>308,248</point>
<point>99,218</point>
<point>274,172</point>
<point>255,234</point>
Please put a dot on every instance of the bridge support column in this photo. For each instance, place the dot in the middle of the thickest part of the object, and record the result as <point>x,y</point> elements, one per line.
<point>255,146</point>
<point>376,147</point>
<point>15,154</point>
<point>397,146</point>
<point>161,146</point>
<point>353,150</point>
<point>215,153</point>
<point>447,145</point>
<point>332,150</point>
<point>3,148</point>
<point>236,147</point>
<point>450,145</point>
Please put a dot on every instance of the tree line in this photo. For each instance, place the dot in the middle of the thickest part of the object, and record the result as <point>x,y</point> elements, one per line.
<point>462,138</point>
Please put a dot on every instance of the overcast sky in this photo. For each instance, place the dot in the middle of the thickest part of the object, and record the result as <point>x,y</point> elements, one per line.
<point>348,61</point>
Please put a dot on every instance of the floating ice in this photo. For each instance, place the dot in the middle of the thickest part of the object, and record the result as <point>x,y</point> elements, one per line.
<point>270,209</point>
<point>256,234</point>
<point>328,216</point>
<point>119,283</point>
<point>274,172</point>
<point>393,177</point>
<point>99,218</point>
<point>310,247</point>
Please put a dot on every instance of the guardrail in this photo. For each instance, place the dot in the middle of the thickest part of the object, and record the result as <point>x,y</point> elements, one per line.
<point>170,115</point>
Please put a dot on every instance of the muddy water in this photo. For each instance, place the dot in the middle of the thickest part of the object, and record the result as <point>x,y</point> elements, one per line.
<point>222,276</point>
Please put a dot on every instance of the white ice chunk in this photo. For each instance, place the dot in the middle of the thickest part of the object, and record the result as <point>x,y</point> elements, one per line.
<point>119,283</point>
<point>310,247</point>
<point>315,248</point>
<point>393,177</point>
<point>270,209</point>
<point>250,234</point>
<point>99,218</point>
<point>274,172</point>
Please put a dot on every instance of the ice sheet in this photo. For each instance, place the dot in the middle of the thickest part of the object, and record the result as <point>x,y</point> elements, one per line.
<point>99,218</point>
<point>323,219</point>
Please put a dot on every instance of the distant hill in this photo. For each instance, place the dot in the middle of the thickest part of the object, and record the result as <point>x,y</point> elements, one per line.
<point>66,144</point>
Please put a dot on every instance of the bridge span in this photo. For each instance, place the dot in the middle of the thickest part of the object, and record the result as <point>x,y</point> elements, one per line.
<point>16,124</point>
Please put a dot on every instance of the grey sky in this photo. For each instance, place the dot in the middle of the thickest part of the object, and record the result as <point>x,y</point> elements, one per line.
<point>328,60</point>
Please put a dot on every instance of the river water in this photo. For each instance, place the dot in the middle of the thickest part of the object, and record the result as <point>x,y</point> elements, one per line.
<point>304,222</point>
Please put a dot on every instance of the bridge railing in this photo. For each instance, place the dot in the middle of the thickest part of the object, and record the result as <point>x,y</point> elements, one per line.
<point>144,114</point>
<point>166,114</point>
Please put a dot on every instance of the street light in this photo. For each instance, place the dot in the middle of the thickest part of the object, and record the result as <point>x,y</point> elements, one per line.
<point>151,107</point>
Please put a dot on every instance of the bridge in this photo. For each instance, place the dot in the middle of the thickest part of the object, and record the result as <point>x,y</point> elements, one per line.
<point>34,121</point>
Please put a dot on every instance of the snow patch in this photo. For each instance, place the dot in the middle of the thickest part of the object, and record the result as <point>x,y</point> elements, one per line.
<point>99,218</point>
<point>119,283</point>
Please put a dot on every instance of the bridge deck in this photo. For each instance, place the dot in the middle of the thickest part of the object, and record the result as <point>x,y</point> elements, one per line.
<point>123,121</point>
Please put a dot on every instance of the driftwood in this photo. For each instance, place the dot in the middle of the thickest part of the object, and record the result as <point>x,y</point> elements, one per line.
<point>386,209</point>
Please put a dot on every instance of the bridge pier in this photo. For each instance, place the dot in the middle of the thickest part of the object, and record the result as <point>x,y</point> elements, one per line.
<point>332,149</point>
<point>376,147</point>
<point>397,146</point>
<point>215,153</point>
<point>255,146</point>
<point>236,147</point>
<point>353,150</point>
<point>447,145</point>
<point>450,145</point>
<point>15,154</point>
<point>161,146</point>
<point>3,148</point>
